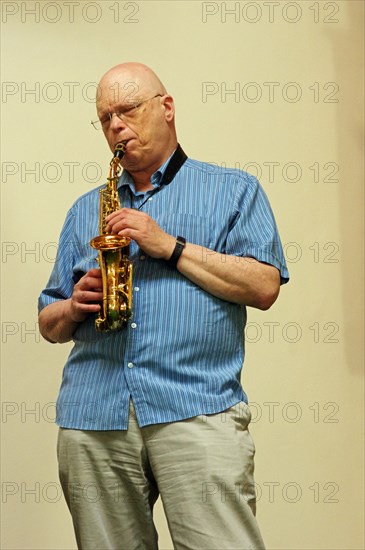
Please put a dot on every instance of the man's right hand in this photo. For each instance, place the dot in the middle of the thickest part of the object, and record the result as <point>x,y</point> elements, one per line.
<point>86,296</point>
<point>59,320</point>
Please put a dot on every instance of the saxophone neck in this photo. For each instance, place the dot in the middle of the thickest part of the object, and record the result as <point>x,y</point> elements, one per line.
<point>109,200</point>
<point>114,171</point>
<point>115,163</point>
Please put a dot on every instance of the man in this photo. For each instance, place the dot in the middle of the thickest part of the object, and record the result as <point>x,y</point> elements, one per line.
<point>157,408</point>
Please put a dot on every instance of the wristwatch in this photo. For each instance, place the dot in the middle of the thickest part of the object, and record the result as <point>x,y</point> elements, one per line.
<point>179,247</point>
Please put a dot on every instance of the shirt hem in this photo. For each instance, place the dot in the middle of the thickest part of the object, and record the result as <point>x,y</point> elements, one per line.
<point>153,421</point>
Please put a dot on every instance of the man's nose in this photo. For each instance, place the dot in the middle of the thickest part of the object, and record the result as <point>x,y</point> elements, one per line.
<point>116,123</point>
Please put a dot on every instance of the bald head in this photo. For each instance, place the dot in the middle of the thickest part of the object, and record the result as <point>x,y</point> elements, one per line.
<point>130,82</point>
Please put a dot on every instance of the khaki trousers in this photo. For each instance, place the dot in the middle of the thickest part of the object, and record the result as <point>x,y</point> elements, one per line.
<point>202,467</point>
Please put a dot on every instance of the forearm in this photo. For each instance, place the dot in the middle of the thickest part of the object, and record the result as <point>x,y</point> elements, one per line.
<point>232,278</point>
<point>55,322</point>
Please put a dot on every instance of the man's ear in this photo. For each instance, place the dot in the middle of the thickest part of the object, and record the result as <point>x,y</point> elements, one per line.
<point>168,103</point>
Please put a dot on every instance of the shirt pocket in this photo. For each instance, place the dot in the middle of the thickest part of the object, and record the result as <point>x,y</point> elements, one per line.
<point>195,229</point>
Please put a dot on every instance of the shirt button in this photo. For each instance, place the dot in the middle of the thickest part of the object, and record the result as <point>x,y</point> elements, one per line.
<point>150,199</point>
<point>136,288</point>
<point>142,257</point>
<point>133,325</point>
<point>130,365</point>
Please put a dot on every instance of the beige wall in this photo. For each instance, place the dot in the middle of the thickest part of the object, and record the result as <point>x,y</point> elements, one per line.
<point>296,120</point>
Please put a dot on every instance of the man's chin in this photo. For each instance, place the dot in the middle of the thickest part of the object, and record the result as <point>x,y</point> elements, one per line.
<point>131,160</point>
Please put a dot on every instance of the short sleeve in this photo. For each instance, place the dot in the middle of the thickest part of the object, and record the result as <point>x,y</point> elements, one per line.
<point>253,231</point>
<point>61,283</point>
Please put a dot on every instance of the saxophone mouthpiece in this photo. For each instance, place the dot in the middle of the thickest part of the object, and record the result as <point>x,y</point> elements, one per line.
<point>120,149</point>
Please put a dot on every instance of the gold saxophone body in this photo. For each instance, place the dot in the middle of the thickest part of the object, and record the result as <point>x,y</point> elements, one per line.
<point>116,268</point>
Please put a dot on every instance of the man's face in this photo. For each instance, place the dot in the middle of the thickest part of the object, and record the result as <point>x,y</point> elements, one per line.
<point>142,120</point>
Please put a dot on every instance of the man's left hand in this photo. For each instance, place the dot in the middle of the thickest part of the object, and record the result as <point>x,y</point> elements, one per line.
<point>140,227</point>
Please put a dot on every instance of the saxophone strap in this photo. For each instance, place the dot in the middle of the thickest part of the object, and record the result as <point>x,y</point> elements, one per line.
<point>176,162</point>
<point>174,165</point>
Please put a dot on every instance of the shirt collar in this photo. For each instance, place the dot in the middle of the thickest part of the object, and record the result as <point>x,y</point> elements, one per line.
<point>126,179</point>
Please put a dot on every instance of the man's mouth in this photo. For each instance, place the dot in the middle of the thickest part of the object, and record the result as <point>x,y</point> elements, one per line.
<point>123,141</point>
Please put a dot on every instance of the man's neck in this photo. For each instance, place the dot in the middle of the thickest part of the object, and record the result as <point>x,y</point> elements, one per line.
<point>142,180</point>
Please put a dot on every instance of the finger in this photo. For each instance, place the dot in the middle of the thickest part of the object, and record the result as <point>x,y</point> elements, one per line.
<point>81,311</point>
<point>130,214</point>
<point>94,272</point>
<point>133,234</point>
<point>111,223</point>
<point>118,222</point>
<point>137,221</point>
<point>117,226</point>
<point>121,211</point>
<point>90,283</point>
<point>88,308</point>
<point>93,288</point>
<point>85,296</point>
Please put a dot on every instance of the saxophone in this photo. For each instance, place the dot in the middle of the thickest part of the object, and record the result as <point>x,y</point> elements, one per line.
<point>116,268</point>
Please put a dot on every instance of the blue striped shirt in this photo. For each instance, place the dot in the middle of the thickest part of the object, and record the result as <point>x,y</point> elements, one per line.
<point>182,351</point>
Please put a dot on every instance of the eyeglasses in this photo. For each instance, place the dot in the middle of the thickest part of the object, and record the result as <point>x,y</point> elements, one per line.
<point>125,115</point>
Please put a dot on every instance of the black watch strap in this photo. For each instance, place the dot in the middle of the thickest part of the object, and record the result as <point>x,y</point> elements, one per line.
<point>179,247</point>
